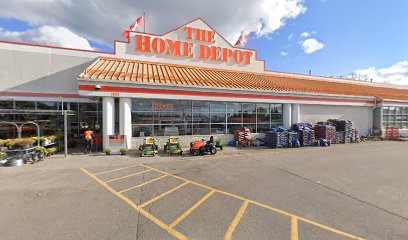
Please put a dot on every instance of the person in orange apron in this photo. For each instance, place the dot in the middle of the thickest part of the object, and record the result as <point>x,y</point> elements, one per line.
<point>88,136</point>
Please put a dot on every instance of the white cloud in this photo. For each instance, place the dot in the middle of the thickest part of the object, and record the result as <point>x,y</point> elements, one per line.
<point>104,21</point>
<point>311,45</point>
<point>284,54</point>
<point>395,74</point>
<point>290,36</point>
<point>48,35</point>
<point>305,34</point>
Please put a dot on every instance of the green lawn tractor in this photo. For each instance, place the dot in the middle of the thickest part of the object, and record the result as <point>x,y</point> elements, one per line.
<point>218,144</point>
<point>149,148</point>
<point>173,146</point>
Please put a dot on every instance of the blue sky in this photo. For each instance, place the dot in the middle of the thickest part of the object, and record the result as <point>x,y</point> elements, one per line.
<point>356,35</point>
<point>365,37</point>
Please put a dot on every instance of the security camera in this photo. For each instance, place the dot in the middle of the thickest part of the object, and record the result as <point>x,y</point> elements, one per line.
<point>97,87</point>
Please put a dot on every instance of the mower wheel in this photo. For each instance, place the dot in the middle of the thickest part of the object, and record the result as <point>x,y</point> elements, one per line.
<point>181,152</point>
<point>220,147</point>
<point>195,152</point>
<point>213,151</point>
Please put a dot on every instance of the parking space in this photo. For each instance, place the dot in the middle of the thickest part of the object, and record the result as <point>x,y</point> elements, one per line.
<point>211,214</point>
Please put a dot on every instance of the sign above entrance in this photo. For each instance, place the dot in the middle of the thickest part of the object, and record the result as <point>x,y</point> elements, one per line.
<point>195,44</point>
<point>195,38</point>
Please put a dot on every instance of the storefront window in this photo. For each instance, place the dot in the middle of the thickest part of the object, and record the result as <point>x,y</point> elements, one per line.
<point>141,131</point>
<point>249,112</point>
<point>234,107</point>
<point>142,105</point>
<point>47,105</point>
<point>201,107</point>
<point>217,128</point>
<point>395,117</point>
<point>200,117</point>
<point>6,104</point>
<point>217,106</point>
<point>201,129</point>
<point>231,127</point>
<point>25,105</point>
<point>218,117</point>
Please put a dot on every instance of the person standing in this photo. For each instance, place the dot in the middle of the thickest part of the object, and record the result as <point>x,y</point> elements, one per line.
<point>88,136</point>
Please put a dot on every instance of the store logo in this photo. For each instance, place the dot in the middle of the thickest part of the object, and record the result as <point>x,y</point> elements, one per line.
<point>199,45</point>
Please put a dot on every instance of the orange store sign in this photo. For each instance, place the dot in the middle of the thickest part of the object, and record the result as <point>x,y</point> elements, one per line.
<point>199,44</point>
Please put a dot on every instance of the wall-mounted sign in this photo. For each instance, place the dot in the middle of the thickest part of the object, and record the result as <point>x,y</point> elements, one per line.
<point>163,106</point>
<point>198,44</point>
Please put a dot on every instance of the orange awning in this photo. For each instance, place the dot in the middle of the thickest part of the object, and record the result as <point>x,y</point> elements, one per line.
<point>147,72</point>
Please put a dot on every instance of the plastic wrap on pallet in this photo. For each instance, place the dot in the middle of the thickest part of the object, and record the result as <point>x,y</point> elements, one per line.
<point>243,136</point>
<point>276,139</point>
<point>293,139</point>
<point>306,133</point>
<point>327,132</point>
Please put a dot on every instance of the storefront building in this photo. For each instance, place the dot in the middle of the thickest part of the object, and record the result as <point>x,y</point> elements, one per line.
<point>189,82</point>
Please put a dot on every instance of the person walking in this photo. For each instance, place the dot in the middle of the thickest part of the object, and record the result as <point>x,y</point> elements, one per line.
<point>88,138</point>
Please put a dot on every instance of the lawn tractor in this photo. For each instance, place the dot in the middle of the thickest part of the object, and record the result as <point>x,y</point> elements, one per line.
<point>218,144</point>
<point>173,146</point>
<point>149,148</point>
<point>202,147</point>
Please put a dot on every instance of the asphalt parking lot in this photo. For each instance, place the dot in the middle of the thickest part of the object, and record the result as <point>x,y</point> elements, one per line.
<point>353,191</point>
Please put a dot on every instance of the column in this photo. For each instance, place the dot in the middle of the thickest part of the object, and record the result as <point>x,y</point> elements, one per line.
<point>125,120</point>
<point>287,115</point>
<point>295,113</point>
<point>108,119</point>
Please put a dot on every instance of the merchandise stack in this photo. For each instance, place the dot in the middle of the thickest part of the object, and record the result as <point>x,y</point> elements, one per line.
<point>306,133</point>
<point>340,137</point>
<point>345,126</point>
<point>355,137</point>
<point>293,139</point>
<point>327,132</point>
<point>243,137</point>
<point>276,138</point>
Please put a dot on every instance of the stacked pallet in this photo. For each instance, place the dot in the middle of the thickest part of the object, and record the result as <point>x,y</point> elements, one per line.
<point>276,138</point>
<point>306,133</point>
<point>340,137</point>
<point>345,126</point>
<point>392,133</point>
<point>327,132</point>
<point>293,139</point>
<point>243,137</point>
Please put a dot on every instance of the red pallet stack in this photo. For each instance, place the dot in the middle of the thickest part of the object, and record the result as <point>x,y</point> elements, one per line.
<point>243,137</point>
<point>392,133</point>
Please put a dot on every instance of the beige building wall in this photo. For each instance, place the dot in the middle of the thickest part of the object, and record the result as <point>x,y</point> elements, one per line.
<point>36,69</point>
<point>361,116</point>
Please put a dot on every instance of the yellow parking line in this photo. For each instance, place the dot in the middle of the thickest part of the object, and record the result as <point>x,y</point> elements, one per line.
<point>130,175</point>
<point>236,221</point>
<point>161,224</point>
<point>262,205</point>
<point>186,213</point>
<point>117,169</point>
<point>294,233</point>
<point>164,194</point>
<point>145,183</point>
